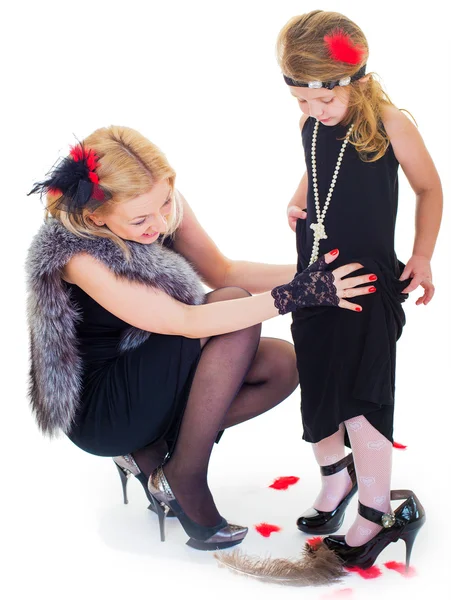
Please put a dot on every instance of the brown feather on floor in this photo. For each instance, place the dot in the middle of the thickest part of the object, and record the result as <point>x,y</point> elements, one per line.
<point>316,566</point>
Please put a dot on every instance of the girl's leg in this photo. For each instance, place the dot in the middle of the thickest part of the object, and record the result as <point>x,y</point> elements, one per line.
<point>334,487</point>
<point>224,363</point>
<point>373,462</point>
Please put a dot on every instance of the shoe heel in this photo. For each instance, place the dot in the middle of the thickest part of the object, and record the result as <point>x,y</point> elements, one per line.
<point>162,511</point>
<point>409,539</point>
<point>124,475</point>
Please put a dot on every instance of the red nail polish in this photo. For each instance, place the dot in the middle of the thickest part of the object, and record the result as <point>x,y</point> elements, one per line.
<point>372,289</point>
<point>334,252</point>
<point>373,277</point>
<point>358,309</point>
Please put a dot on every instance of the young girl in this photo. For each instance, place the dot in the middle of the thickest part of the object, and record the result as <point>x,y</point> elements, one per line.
<point>354,138</point>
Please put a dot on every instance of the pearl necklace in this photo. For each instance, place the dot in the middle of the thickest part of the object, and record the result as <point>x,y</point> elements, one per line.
<point>319,231</point>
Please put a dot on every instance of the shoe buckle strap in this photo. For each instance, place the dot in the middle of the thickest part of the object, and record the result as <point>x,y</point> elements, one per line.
<point>387,520</point>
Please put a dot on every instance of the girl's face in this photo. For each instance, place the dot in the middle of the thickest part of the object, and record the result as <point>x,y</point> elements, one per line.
<point>141,219</point>
<point>325,105</point>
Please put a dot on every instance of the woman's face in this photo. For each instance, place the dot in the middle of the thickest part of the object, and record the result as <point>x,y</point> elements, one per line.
<point>142,219</point>
<point>325,105</point>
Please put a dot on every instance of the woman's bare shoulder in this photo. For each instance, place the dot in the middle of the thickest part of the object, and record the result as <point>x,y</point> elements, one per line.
<point>81,263</point>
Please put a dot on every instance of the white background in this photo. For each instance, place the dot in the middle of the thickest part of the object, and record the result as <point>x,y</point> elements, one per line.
<point>200,80</point>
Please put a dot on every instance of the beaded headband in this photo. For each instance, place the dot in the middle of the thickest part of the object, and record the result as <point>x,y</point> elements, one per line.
<point>327,84</point>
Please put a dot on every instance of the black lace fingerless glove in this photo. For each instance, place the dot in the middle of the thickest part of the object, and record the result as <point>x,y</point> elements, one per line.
<point>313,287</point>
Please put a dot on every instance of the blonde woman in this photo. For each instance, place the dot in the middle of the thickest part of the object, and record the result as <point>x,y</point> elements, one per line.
<point>129,357</point>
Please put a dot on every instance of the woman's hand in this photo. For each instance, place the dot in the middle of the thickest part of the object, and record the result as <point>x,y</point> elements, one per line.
<point>318,286</point>
<point>294,213</point>
<point>419,268</point>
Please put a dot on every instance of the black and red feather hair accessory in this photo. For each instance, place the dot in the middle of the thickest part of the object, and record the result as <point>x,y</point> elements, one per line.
<point>74,182</point>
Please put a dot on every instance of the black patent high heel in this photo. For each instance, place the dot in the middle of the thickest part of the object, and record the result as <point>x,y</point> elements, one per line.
<point>223,535</point>
<point>402,524</point>
<point>126,466</point>
<point>321,522</point>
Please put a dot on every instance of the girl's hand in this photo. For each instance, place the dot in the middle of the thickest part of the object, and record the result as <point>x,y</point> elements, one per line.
<point>419,267</point>
<point>294,213</point>
<point>318,286</point>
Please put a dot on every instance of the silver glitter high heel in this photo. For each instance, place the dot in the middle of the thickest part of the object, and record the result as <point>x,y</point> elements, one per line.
<point>223,535</point>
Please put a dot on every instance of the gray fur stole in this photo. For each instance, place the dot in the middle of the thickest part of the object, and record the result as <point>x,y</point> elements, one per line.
<point>56,367</point>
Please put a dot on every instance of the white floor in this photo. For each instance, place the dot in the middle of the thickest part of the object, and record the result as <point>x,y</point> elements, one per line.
<point>69,535</point>
<point>196,78</point>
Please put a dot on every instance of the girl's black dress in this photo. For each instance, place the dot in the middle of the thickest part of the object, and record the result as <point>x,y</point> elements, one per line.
<point>346,360</point>
<point>133,399</point>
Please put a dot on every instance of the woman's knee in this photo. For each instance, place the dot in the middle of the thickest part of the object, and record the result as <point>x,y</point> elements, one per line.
<point>277,361</point>
<point>226,293</point>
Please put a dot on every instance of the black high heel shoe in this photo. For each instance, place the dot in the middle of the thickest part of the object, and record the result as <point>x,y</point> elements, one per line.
<point>321,522</point>
<point>126,466</point>
<point>223,535</point>
<point>404,523</point>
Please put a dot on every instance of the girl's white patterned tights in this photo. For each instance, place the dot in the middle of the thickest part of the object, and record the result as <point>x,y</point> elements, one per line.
<point>373,461</point>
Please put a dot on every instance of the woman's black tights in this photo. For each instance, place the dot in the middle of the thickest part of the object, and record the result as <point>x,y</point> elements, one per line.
<point>238,377</point>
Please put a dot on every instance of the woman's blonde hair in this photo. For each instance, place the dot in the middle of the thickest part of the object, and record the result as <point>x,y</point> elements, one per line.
<point>129,165</point>
<point>303,56</point>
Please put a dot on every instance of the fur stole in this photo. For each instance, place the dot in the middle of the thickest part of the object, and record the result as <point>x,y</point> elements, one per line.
<point>56,367</point>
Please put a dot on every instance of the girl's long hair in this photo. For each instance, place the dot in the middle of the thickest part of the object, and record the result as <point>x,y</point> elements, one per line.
<point>304,56</point>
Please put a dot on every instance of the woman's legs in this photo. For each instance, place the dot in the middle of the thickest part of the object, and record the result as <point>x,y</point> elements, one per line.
<point>234,381</point>
<point>272,377</point>
<point>224,362</point>
<point>150,457</point>
<point>373,462</point>
<point>334,487</point>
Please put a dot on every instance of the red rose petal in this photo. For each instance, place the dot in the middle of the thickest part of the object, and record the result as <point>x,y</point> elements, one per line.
<point>283,483</point>
<point>371,573</point>
<point>265,529</point>
<point>400,568</point>
<point>399,446</point>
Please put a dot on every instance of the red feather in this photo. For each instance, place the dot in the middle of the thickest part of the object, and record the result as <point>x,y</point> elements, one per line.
<point>77,153</point>
<point>93,177</point>
<point>283,483</point>
<point>314,542</point>
<point>97,193</point>
<point>265,529</point>
<point>371,573</point>
<point>80,153</point>
<point>399,446</point>
<point>342,48</point>
<point>91,161</point>
<point>400,568</point>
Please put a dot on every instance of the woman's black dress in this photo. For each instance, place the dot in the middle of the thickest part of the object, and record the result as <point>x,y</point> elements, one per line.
<point>346,360</point>
<point>128,400</point>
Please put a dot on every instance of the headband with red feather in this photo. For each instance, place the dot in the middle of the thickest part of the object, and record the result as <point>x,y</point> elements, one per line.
<point>341,49</point>
<point>74,182</point>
